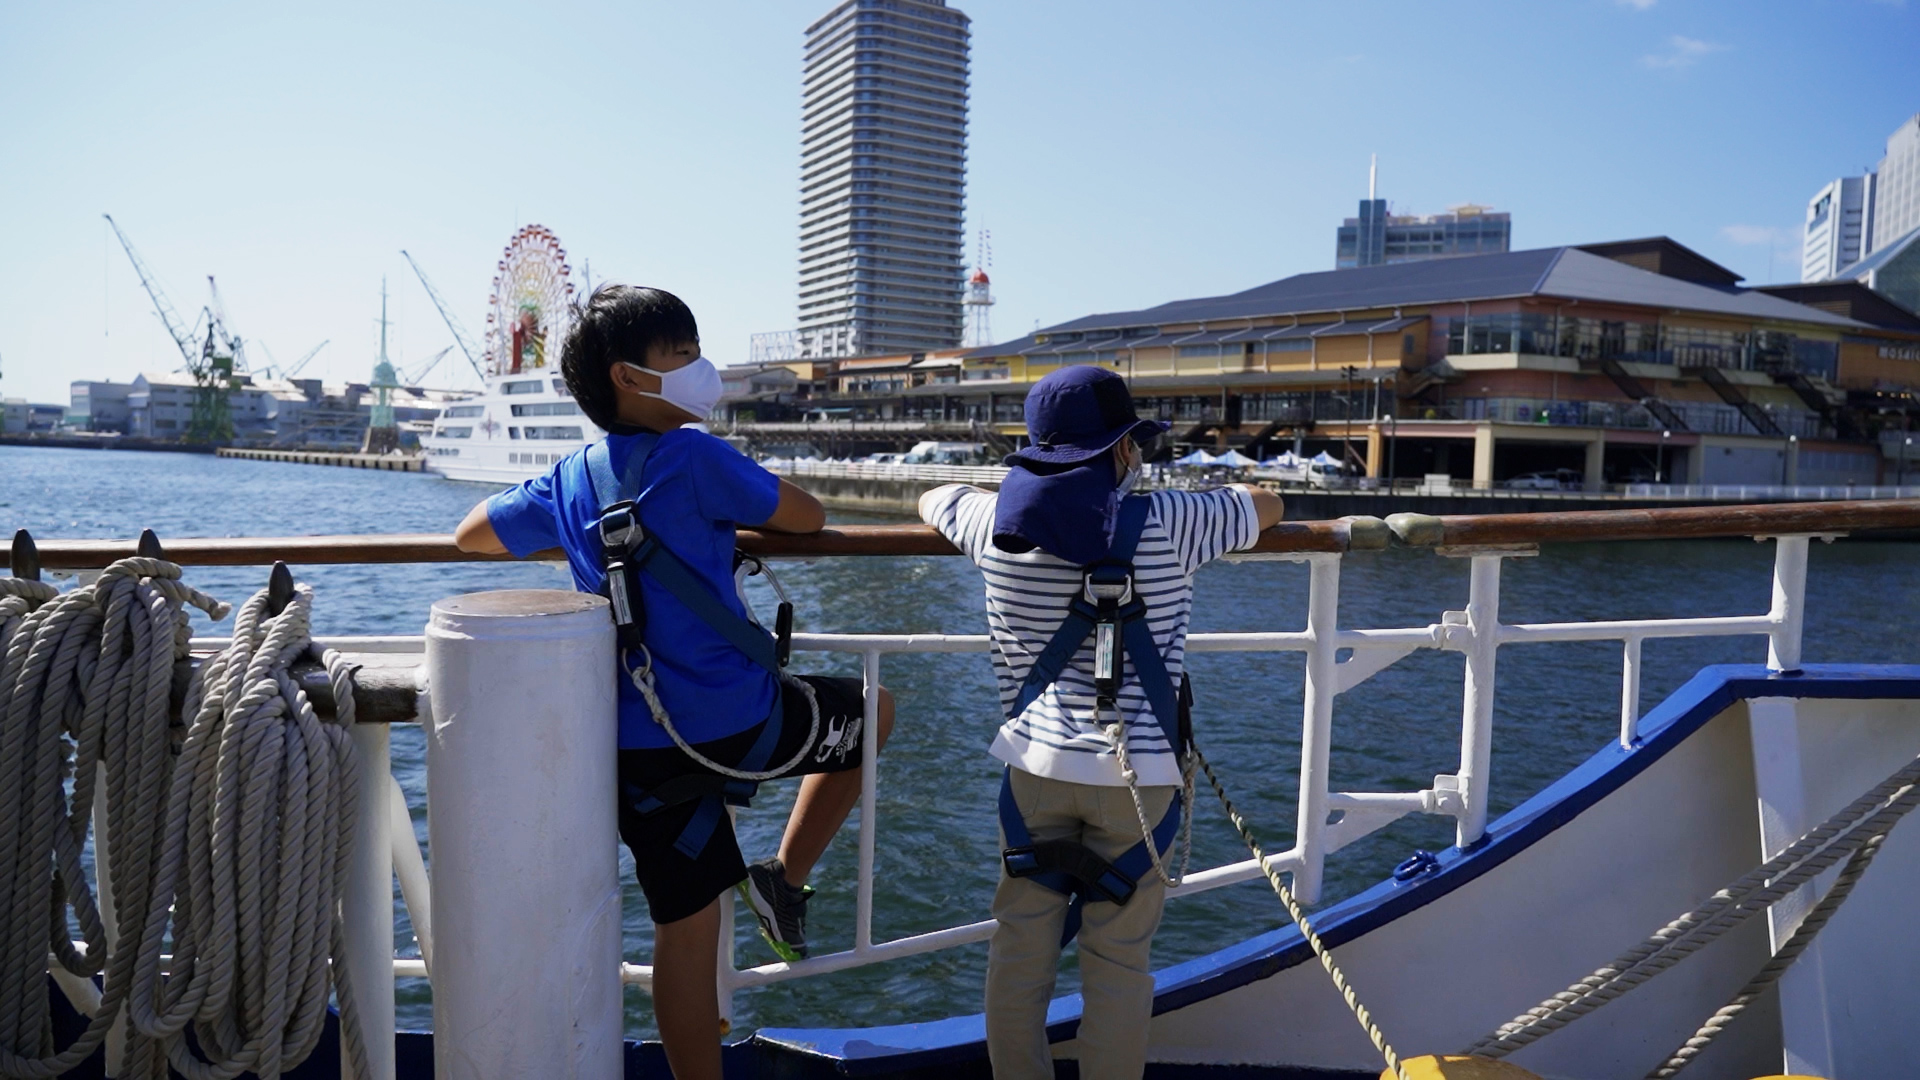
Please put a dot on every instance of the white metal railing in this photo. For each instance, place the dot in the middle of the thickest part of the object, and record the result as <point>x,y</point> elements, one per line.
<point>1475,632</point>
<point>1783,492</point>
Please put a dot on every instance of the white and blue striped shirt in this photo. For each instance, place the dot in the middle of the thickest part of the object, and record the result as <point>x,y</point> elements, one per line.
<point>1058,734</point>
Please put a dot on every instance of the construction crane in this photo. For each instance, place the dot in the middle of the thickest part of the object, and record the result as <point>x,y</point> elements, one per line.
<point>460,335</point>
<point>414,377</point>
<point>223,328</point>
<point>274,369</point>
<point>211,369</point>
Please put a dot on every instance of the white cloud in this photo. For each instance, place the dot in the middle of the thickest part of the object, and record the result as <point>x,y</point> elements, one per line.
<point>1682,52</point>
<point>1751,235</point>
<point>1638,5</point>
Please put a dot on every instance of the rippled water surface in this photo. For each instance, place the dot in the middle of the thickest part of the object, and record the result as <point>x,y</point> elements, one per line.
<point>938,846</point>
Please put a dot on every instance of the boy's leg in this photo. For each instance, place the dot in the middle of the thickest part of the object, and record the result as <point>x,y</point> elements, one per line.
<point>686,1003</point>
<point>825,800</point>
<point>1023,957</point>
<point>1116,940</point>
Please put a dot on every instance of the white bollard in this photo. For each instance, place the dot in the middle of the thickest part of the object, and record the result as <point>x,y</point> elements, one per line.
<point>521,830</point>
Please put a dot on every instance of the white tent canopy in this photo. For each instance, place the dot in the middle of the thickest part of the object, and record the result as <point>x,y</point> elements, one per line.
<point>1236,459</point>
<point>1198,457</point>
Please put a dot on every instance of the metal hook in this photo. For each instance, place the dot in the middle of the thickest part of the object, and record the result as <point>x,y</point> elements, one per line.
<point>279,588</point>
<point>25,557</point>
<point>149,547</point>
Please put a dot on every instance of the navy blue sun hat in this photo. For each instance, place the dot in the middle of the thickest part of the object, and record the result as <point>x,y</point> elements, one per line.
<point>1078,413</point>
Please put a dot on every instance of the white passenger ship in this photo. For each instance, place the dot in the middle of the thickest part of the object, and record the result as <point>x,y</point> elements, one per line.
<point>526,420</point>
<point>516,430</point>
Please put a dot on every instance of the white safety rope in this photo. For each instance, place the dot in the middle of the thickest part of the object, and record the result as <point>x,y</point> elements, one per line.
<point>1117,735</point>
<point>1320,950</point>
<point>230,844</point>
<point>1854,833</point>
<point>643,681</point>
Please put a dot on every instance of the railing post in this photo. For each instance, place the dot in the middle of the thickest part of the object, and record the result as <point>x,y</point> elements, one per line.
<point>869,792</point>
<point>1630,693</point>
<point>367,906</point>
<point>1789,602</point>
<point>1316,724</point>
<point>525,876</point>
<point>1476,722</point>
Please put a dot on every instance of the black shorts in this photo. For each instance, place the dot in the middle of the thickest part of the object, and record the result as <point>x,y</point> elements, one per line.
<point>677,886</point>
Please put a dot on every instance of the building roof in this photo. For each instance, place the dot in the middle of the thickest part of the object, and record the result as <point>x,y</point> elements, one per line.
<point>1851,298</point>
<point>1666,257</point>
<point>1567,273</point>
<point>1880,257</point>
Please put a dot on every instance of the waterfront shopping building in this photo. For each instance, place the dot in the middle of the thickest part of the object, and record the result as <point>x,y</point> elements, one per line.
<point>1618,362</point>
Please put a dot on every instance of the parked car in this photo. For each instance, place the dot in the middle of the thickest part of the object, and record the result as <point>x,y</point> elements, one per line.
<point>1548,480</point>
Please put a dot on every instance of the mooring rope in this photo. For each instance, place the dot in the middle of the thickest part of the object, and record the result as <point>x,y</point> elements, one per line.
<point>232,845</point>
<point>1855,832</point>
<point>1292,904</point>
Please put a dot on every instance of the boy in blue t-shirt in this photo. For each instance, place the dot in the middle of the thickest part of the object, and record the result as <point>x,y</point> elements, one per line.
<point>633,363</point>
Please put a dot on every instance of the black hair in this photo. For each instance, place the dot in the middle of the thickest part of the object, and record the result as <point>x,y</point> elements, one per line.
<point>619,323</point>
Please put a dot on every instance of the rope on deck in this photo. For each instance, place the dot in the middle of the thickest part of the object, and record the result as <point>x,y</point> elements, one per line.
<point>1855,834</point>
<point>1292,904</point>
<point>229,839</point>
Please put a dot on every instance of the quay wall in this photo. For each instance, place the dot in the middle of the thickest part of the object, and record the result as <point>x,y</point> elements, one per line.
<point>383,462</point>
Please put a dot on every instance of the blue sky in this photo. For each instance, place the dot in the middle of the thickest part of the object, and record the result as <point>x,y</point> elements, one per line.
<point>1122,153</point>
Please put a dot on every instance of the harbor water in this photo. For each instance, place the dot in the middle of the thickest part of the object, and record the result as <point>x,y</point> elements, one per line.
<point>937,848</point>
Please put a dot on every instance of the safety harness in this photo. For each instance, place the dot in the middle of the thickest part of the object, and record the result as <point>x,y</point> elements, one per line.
<point>1109,610</point>
<point>628,551</point>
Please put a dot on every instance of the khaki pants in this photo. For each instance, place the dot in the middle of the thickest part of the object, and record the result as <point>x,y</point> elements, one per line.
<point>1115,939</point>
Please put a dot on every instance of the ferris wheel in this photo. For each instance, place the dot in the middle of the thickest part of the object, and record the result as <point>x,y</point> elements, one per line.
<point>531,308</point>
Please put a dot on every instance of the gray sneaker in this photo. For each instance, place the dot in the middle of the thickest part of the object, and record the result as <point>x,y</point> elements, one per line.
<point>779,908</point>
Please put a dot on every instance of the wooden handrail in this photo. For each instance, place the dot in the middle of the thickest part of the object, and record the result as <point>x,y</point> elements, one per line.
<point>867,540</point>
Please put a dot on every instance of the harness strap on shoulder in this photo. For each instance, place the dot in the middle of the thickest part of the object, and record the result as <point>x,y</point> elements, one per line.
<point>608,488</point>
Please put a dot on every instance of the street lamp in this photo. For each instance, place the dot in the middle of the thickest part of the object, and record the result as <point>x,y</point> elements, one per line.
<point>1905,449</point>
<point>1786,463</point>
<point>1660,463</point>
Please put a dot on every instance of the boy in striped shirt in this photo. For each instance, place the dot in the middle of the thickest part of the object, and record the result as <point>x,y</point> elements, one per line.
<point>1056,513</point>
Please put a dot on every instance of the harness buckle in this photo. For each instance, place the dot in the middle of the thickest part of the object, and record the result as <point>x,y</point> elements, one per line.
<point>1107,585</point>
<point>620,529</point>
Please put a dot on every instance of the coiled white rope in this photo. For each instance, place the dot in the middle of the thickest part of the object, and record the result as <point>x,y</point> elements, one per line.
<point>235,852</point>
<point>84,686</point>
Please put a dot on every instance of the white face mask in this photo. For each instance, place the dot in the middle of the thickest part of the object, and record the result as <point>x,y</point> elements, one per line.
<point>694,388</point>
<point>1129,481</point>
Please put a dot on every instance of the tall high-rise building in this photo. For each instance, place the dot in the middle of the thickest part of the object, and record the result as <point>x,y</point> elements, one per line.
<point>1839,224</point>
<point>1376,237</point>
<point>883,165</point>
<point>1896,197</point>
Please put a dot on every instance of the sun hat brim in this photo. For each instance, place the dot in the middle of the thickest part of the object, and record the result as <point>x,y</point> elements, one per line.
<point>1075,451</point>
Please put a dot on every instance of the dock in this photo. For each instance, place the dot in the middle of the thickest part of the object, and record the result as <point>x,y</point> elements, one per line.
<point>388,462</point>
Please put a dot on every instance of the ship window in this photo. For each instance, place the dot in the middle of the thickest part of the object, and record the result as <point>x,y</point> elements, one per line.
<point>459,411</point>
<point>524,386</point>
<point>547,408</point>
<point>553,433</point>
<point>455,433</point>
<point>560,386</point>
<point>513,433</point>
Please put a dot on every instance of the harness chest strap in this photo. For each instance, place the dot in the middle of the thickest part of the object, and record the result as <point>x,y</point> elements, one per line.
<point>1130,617</point>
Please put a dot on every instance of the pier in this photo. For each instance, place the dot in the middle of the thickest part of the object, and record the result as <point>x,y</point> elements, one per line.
<point>387,462</point>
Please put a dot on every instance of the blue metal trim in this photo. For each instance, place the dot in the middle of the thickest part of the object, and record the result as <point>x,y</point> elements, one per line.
<point>870,1051</point>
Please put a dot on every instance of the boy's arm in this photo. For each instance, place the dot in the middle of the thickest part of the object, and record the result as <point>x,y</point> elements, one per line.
<point>1267,506</point>
<point>475,533</point>
<point>797,511</point>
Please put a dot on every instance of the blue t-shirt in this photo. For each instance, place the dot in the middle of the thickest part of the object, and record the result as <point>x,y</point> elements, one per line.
<point>695,489</point>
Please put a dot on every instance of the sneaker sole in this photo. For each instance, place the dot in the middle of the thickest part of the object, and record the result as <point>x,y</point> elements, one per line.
<point>764,920</point>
